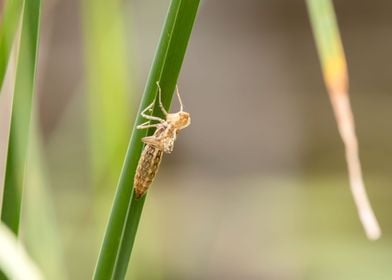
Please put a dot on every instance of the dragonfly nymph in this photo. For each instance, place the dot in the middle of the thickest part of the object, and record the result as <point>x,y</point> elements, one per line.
<point>162,141</point>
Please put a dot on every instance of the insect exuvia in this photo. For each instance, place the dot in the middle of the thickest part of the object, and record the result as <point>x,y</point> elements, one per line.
<point>162,141</point>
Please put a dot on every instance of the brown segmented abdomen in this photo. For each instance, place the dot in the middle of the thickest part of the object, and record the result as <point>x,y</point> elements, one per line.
<point>146,169</point>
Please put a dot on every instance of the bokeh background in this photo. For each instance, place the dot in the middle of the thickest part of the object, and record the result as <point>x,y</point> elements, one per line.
<point>256,187</point>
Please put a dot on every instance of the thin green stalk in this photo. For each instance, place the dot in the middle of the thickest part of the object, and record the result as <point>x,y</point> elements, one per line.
<point>38,202</point>
<point>8,30</point>
<point>334,67</point>
<point>21,111</point>
<point>128,237</point>
<point>126,211</point>
<point>104,33</point>
<point>14,260</point>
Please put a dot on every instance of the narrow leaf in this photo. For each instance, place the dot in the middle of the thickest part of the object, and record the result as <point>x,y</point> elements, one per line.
<point>8,30</point>
<point>20,119</point>
<point>333,62</point>
<point>126,211</point>
<point>14,260</point>
<point>107,87</point>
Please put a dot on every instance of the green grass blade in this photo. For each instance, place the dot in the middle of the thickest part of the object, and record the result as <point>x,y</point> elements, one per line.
<point>38,202</point>
<point>108,88</point>
<point>329,44</point>
<point>8,30</point>
<point>165,68</point>
<point>128,237</point>
<point>21,111</point>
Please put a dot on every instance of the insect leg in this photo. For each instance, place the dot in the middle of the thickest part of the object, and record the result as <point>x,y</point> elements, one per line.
<point>148,108</point>
<point>148,117</point>
<point>146,125</point>
<point>152,118</point>
<point>160,99</point>
<point>179,99</point>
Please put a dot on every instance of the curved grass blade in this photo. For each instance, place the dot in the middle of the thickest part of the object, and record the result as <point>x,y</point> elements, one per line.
<point>334,66</point>
<point>8,30</point>
<point>14,260</point>
<point>20,119</point>
<point>126,211</point>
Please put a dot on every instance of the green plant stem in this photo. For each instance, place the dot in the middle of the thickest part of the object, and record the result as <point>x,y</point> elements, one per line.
<point>38,202</point>
<point>8,30</point>
<point>20,119</point>
<point>128,237</point>
<point>126,211</point>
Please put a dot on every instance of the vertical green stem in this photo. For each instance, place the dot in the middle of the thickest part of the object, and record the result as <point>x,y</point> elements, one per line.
<point>107,87</point>
<point>126,211</point>
<point>334,66</point>
<point>20,120</point>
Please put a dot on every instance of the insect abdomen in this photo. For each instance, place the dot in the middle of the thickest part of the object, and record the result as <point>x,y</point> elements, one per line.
<point>147,168</point>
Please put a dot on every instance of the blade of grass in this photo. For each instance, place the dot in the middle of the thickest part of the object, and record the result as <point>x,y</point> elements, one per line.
<point>126,211</point>
<point>38,202</point>
<point>14,260</point>
<point>6,94</point>
<point>8,30</point>
<point>109,114</point>
<point>21,111</point>
<point>334,67</point>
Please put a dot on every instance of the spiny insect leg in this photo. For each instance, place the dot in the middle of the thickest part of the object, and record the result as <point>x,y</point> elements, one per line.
<point>160,99</point>
<point>179,98</point>
<point>148,108</point>
<point>148,117</point>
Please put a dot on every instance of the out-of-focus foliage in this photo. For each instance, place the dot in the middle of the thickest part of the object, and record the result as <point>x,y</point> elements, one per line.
<point>326,32</point>
<point>14,261</point>
<point>21,111</point>
<point>38,202</point>
<point>108,87</point>
<point>8,30</point>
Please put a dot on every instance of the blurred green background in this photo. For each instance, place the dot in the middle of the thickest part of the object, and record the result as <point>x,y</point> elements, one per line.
<point>256,187</point>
